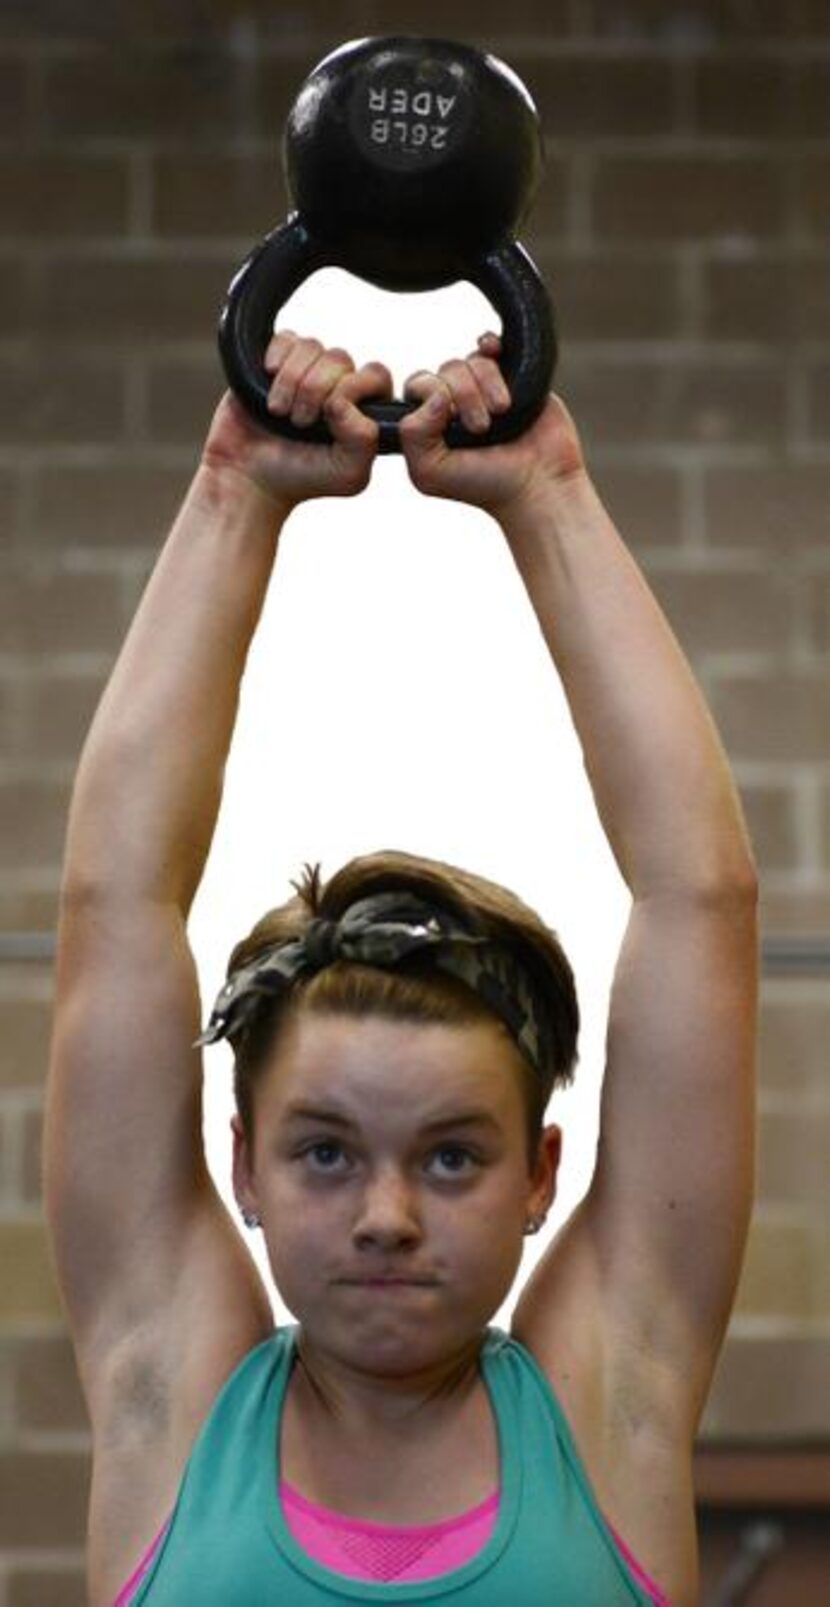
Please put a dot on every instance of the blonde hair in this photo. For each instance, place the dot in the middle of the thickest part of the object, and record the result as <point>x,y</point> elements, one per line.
<point>420,993</point>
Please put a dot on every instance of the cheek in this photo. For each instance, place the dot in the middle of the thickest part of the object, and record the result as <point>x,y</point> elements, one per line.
<point>480,1237</point>
<point>302,1248</point>
<point>494,1232</point>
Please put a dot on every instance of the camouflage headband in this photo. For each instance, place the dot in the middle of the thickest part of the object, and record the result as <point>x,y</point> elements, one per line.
<point>382,930</point>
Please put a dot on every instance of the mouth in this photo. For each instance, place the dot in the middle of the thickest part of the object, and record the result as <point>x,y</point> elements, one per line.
<point>389,1283</point>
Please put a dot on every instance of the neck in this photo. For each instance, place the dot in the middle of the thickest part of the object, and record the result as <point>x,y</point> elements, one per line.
<point>362,1404</point>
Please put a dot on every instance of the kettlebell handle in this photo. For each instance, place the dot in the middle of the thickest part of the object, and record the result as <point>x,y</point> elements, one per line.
<point>286,257</point>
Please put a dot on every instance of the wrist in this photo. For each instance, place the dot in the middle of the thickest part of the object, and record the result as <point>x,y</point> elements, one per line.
<point>226,491</point>
<point>546,502</point>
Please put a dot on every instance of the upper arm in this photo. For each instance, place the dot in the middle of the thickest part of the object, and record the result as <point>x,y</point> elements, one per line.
<point>655,1251</point>
<point>126,1181</point>
<point>672,1192</point>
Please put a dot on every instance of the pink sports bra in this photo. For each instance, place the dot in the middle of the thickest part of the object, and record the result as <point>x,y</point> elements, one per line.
<point>383,1552</point>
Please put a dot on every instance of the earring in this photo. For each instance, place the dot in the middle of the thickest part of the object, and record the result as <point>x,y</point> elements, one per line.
<point>534,1223</point>
<point>251,1219</point>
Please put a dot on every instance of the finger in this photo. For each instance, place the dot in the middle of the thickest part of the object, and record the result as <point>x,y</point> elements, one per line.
<point>297,358</point>
<point>489,343</point>
<point>422,430</point>
<point>467,393</point>
<point>492,382</point>
<point>278,348</point>
<point>317,383</point>
<point>423,384</point>
<point>371,380</point>
<point>349,424</point>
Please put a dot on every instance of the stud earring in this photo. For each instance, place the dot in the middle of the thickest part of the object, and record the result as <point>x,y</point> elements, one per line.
<point>251,1219</point>
<point>534,1223</point>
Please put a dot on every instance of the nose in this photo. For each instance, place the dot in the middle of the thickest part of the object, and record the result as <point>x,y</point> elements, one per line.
<point>387,1215</point>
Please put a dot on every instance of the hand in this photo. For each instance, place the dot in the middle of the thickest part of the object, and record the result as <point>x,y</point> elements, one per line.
<point>495,477</point>
<point>307,381</point>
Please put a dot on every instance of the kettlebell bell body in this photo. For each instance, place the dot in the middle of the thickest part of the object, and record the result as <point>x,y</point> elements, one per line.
<point>411,163</point>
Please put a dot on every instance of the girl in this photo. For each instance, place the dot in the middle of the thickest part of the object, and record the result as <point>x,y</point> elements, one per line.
<point>397,1034</point>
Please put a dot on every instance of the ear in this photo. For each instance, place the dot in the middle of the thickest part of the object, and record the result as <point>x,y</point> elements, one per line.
<point>543,1182</point>
<point>244,1184</point>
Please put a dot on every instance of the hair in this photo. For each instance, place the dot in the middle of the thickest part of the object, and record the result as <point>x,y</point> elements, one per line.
<point>420,992</point>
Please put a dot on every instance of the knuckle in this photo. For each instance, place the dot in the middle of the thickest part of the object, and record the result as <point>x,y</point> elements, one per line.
<point>418,388</point>
<point>279,351</point>
<point>357,472</point>
<point>411,428</point>
<point>302,359</point>
<point>419,477</point>
<point>349,383</point>
<point>312,388</point>
<point>329,374</point>
<point>290,372</point>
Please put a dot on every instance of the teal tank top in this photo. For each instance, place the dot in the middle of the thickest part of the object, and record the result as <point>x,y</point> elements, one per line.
<point>228,1544</point>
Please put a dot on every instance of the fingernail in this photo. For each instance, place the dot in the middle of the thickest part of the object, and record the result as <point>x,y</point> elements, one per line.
<point>278,401</point>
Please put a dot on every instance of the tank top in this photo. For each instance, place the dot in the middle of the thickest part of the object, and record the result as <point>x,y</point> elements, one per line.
<point>230,1538</point>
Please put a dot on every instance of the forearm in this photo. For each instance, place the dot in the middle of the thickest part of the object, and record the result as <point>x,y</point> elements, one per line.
<point>659,774</point>
<point>149,783</point>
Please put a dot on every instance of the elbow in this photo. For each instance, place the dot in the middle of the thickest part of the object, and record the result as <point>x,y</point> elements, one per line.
<point>86,889</point>
<point>736,879</point>
<point>80,892</point>
<point>727,882</point>
<point>747,884</point>
<point>733,887</point>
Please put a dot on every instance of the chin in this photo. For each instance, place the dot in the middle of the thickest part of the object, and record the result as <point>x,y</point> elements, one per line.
<point>389,1342</point>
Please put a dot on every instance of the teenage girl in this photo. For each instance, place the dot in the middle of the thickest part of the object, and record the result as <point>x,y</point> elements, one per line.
<point>397,1032</point>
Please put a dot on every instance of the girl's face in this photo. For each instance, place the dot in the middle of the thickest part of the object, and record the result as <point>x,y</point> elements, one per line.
<point>389,1170</point>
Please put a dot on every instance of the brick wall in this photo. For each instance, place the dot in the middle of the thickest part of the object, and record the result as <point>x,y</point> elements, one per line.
<point>684,229</point>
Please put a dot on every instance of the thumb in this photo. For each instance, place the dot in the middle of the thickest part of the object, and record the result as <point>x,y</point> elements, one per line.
<point>422,431</point>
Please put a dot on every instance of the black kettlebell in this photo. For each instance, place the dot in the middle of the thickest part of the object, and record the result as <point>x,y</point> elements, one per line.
<point>411,163</point>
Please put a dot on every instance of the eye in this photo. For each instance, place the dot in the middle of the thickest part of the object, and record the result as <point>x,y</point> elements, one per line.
<point>457,1155</point>
<point>325,1147</point>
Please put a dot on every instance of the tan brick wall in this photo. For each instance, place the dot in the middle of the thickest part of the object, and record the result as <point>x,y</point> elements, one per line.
<point>684,229</point>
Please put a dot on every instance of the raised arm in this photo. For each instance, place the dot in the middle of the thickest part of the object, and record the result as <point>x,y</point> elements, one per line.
<point>655,1249</point>
<point>669,1204</point>
<point>136,1226</point>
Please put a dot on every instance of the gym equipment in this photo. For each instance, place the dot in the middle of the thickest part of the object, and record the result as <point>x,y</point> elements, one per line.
<point>411,163</point>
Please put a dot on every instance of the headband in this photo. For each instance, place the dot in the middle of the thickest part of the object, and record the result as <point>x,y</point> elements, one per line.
<point>383,930</point>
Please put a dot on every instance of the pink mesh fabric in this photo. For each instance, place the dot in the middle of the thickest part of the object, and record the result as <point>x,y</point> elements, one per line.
<point>379,1552</point>
<point>376,1552</point>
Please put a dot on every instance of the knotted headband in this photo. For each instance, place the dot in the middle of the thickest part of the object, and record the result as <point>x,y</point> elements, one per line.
<point>383,930</point>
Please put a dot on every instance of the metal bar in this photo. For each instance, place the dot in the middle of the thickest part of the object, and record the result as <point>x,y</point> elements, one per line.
<point>758,1544</point>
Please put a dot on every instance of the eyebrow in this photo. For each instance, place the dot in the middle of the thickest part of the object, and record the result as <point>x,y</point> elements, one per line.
<point>336,1118</point>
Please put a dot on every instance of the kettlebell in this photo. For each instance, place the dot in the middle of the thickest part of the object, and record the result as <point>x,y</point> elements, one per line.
<point>411,164</point>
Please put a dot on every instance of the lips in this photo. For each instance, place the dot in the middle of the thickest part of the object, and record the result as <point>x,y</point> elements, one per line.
<point>388,1282</point>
